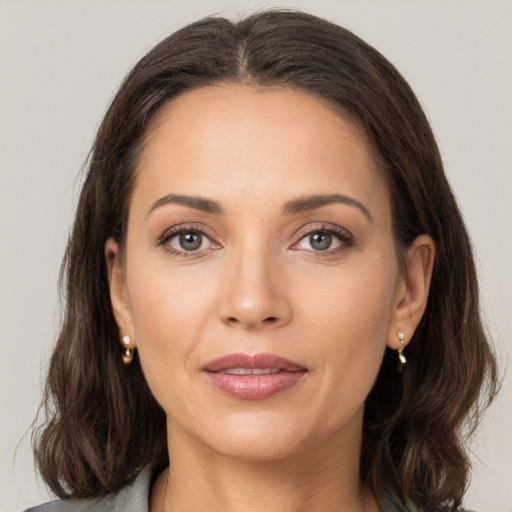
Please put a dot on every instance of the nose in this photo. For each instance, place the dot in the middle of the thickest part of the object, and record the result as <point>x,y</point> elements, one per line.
<point>254,293</point>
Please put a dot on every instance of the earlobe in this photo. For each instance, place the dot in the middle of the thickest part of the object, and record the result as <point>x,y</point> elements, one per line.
<point>413,290</point>
<point>117,286</point>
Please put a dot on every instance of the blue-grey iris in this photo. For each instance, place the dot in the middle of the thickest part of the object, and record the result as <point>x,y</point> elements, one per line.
<point>320,241</point>
<point>191,241</point>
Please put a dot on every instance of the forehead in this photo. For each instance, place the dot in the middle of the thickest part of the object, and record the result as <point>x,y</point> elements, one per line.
<point>230,140</point>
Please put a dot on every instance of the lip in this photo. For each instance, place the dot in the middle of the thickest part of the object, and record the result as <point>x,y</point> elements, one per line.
<point>253,387</point>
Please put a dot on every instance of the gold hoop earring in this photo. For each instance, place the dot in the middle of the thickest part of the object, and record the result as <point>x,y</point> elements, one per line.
<point>128,352</point>
<point>401,356</point>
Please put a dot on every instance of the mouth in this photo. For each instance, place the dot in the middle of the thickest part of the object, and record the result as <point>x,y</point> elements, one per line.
<point>253,377</point>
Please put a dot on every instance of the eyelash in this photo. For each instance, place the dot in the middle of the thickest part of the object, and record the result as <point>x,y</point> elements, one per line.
<point>345,237</point>
<point>178,230</point>
<point>341,234</point>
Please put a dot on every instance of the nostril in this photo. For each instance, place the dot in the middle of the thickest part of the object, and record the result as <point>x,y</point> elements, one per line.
<point>268,320</point>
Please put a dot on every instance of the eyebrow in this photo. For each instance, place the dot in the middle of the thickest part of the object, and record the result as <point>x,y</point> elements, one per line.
<point>304,204</point>
<point>197,203</point>
<point>293,207</point>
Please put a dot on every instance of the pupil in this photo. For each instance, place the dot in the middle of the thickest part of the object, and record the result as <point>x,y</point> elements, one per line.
<point>190,241</point>
<point>320,241</point>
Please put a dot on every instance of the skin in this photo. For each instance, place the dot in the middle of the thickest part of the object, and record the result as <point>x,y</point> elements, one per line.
<point>258,284</point>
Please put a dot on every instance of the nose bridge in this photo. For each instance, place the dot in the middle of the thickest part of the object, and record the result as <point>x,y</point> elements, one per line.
<point>254,296</point>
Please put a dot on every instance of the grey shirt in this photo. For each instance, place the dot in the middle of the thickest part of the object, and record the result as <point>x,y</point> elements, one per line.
<point>132,498</point>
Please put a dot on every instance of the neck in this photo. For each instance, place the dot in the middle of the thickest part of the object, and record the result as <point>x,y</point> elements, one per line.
<point>324,478</point>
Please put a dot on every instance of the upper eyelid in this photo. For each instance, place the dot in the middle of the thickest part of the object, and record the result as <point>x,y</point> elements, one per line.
<point>344,236</point>
<point>330,228</point>
<point>163,240</point>
<point>175,230</point>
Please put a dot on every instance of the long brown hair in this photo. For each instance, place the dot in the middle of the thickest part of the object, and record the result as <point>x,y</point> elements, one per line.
<point>102,423</point>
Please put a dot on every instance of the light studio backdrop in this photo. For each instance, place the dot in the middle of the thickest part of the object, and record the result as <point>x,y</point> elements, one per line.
<point>62,61</point>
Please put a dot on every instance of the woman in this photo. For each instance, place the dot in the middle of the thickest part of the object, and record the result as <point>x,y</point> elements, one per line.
<point>271,295</point>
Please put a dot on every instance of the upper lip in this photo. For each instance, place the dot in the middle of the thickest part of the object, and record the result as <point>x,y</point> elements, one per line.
<point>240,360</point>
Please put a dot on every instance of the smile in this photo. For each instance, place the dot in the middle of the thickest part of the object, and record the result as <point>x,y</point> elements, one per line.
<point>253,377</point>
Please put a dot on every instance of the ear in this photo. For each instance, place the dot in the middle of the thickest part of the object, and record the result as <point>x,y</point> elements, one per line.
<point>118,292</point>
<point>412,291</point>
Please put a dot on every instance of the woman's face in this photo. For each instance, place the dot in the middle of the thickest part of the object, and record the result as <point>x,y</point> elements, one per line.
<point>259,225</point>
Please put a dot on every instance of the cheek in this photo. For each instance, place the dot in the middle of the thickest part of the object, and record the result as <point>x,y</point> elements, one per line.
<point>351,311</point>
<point>168,298</point>
<point>170,311</point>
<point>356,298</point>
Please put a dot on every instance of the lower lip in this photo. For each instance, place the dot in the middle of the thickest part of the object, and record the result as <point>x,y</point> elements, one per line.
<point>254,387</point>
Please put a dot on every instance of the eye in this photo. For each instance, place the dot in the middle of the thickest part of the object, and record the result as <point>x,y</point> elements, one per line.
<point>184,241</point>
<point>325,239</point>
<point>319,241</point>
<point>187,241</point>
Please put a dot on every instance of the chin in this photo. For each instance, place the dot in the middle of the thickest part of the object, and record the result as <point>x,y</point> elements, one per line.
<point>257,448</point>
<point>261,437</point>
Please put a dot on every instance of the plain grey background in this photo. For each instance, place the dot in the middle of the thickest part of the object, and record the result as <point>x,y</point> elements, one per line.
<point>60,63</point>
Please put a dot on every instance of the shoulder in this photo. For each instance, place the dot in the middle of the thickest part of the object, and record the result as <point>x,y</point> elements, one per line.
<point>105,504</point>
<point>132,498</point>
